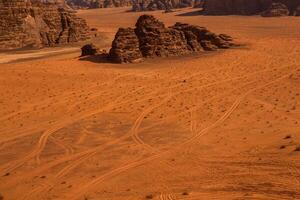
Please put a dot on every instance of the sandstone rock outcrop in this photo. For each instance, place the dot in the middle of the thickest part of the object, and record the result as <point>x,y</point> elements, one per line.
<point>125,47</point>
<point>276,10</point>
<point>151,38</point>
<point>79,4</point>
<point>245,7</point>
<point>35,23</point>
<point>151,5</point>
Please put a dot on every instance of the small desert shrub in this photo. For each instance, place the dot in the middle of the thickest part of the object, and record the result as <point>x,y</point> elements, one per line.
<point>282,147</point>
<point>149,196</point>
<point>288,137</point>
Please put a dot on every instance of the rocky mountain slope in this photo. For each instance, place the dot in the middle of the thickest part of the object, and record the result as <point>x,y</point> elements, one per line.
<point>34,23</point>
<point>245,7</point>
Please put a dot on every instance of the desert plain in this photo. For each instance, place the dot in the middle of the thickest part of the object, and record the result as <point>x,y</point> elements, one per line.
<point>221,125</point>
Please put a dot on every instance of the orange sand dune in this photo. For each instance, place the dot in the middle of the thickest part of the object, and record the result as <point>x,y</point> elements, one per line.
<point>219,125</point>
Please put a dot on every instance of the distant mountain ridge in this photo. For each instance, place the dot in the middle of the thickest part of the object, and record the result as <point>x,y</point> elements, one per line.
<point>245,7</point>
<point>137,5</point>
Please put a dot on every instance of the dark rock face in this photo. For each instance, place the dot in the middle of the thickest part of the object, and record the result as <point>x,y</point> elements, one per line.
<point>35,24</point>
<point>79,4</point>
<point>297,11</point>
<point>151,38</point>
<point>151,5</point>
<point>89,50</point>
<point>291,4</point>
<point>245,7</point>
<point>125,47</point>
<point>157,40</point>
<point>276,10</point>
<point>198,3</point>
<point>239,7</point>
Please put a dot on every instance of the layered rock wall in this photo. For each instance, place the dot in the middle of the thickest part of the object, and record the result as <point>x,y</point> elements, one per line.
<point>36,23</point>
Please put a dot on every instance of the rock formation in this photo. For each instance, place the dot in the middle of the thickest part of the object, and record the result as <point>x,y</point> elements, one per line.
<point>150,5</point>
<point>245,7</point>
<point>239,7</point>
<point>151,38</point>
<point>35,23</point>
<point>79,4</point>
<point>276,10</point>
<point>125,47</point>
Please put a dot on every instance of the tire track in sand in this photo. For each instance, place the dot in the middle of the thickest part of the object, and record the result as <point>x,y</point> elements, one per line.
<point>154,106</point>
<point>46,134</point>
<point>137,125</point>
<point>89,186</point>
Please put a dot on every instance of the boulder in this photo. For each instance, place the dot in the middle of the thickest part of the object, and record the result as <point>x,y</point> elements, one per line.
<point>276,10</point>
<point>151,38</point>
<point>89,50</point>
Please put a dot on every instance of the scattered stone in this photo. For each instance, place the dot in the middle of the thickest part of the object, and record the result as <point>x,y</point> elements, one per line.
<point>151,39</point>
<point>185,193</point>
<point>1,197</point>
<point>297,148</point>
<point>276,10</point>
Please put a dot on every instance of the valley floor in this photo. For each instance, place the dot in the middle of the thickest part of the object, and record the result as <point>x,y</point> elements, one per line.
<point>222,125</point>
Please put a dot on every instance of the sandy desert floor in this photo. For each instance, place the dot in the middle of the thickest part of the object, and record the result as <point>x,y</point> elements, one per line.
<point>222,125</point>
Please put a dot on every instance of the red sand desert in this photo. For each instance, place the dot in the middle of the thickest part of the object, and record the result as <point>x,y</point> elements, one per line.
<point>222,125</point>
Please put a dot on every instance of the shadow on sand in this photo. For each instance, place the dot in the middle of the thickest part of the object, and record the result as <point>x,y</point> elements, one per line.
<point>96,59</point>
<point>193,13</point>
